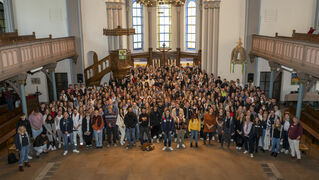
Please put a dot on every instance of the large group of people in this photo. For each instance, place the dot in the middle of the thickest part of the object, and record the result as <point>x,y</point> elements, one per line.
<point>160,104</point>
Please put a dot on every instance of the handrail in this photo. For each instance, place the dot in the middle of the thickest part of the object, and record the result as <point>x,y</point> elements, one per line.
<point>24,56</point>
<point>297,54</point>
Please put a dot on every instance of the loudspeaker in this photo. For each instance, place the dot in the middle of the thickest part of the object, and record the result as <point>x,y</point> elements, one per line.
<point>250,77</point>
<point>79,78</point>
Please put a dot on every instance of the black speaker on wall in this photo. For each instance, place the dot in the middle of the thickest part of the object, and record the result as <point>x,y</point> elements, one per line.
<point>79,78</point>
<point>250,77</point>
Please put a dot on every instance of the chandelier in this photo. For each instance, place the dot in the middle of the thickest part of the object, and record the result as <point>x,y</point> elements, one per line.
<point>153,3</point>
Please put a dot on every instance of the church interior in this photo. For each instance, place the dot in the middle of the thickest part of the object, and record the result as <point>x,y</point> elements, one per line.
<point>159,89</point>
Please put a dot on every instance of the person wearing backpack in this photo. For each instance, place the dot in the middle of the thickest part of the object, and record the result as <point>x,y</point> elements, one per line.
<point>22,143</point>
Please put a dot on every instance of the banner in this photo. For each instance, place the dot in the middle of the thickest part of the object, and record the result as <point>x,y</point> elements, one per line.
<point>294,79</point>
<point>122,54</point>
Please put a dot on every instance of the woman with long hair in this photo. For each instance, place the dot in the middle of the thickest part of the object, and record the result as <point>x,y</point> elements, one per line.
<point>194,127</point>
<point>22,143</point>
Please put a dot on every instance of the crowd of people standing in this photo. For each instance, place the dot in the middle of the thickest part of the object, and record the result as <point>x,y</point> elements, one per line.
<point>154,104</point>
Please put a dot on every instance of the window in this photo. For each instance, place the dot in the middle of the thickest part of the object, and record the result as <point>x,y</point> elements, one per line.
<point>2,19</point>
<point>164,17</point>
<point>137,14</point>
<point>191,24</point>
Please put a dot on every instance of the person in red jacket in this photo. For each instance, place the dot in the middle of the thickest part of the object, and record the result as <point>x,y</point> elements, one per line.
<point>294,136</point>
<point>97,126</point>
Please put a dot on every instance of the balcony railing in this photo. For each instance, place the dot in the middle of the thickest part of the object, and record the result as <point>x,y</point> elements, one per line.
<point>299,55</point>
<point>24,56</point>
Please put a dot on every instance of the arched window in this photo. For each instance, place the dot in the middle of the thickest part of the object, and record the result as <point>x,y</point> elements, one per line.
<point>137,14</point>
<point>2,19</point>
<point>164,25</point>
<point>191,24</point>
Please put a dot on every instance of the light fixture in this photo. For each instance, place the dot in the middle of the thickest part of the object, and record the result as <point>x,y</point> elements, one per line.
<point>153,3</point>
<point>36,70</point>
<point>287,68</point>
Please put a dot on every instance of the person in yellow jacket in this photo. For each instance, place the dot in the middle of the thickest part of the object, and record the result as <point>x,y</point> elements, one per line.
<point>194,128</point>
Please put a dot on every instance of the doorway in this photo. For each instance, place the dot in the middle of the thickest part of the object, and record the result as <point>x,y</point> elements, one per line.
<point>61,82</point>
<point>265,84</point>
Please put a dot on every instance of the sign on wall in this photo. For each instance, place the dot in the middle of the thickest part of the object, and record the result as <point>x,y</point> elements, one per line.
<point>122,54</point>
<point>294,79</point>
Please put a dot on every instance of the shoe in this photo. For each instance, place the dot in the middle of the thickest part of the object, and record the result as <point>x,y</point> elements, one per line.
<point>75,144</point>
<point>164,148</point>
<point>191,145</point>
<point>272,154</point>
<point>127,147</point>
<point>60,145</point>
<point>196,145</point>
<point>29,157</point>
<point>65,153</point>
<point>157,140</point>
<point>177,146</point>
<point>21,168</point>
<point>239,148</point>
<point>50,148</point>
<point>27,164</point>
<point>108,146</point>
<point>282,150</point>
<point>115,145</point>
<point>263,150</point>
<point>298,160</point>
<point>170,148</point>
<point>76,151</point>
<point>275,155</point>
<point>53,148</point>
<point>287,151</point>
<point>175,140</point>
<point>37,156</point>
<point>245,152</point>
<point>183,146</point>
<point>213,138</point>
<point>251,155</point>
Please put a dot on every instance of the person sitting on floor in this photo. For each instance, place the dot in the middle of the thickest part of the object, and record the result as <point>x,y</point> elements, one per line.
<point>40,144</point>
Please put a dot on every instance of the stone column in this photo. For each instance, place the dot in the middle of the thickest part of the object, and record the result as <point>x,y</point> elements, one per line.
<point>120,38</point>
<point>178,17</point>
<point>210,35</point>
<point>149,11</point>
<point>115,24</point>
<point>303,79</point>
<point>109,12</point>
<point>23,99</point>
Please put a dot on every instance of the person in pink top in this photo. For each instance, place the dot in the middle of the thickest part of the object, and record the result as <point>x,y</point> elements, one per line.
<point>36,122</point>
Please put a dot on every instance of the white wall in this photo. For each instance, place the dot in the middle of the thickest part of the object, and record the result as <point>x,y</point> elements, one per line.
<point>94,19</point>
<point>43,17</point>
<point>231,27</point>
<point>283,16</point>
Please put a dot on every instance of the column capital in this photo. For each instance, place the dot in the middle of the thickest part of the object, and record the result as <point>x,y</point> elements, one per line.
<point>273,66</point>
<point>50,67</point>
<point>304,77</point>
<point>209,4</point>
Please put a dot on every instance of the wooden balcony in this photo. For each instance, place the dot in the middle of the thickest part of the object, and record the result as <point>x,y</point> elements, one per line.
<point>301,55</point>
<point>27,55</point>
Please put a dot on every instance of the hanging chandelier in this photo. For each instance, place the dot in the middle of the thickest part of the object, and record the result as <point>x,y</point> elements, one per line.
<point>153,3</point>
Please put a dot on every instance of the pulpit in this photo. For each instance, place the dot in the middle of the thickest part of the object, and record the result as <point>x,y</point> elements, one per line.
<point>120,63</point>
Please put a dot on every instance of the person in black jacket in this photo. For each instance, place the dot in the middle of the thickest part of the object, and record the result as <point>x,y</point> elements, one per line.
<point>130,121</point>
<point>257,132</point>
<point>228,129</point>
<point>167,129</point>
<point>66,126</point>
<point>155,118</point>
<point>40,144</point>
<point>22,143</point>
<point>144,126</point>
<point>87,130</point>
<point>23,121</point>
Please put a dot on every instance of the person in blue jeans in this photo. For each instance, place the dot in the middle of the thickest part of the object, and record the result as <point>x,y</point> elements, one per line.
<point>276,134</point>
<point>263,124</point>
<point>22,143</point>
<point>130,121</point>
<point>66,126</point>
<point>167,127</point>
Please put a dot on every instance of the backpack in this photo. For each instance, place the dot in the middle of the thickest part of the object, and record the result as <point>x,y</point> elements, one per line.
<point>12,158</point>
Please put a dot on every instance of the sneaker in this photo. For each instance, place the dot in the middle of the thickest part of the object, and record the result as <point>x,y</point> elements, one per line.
<point>282,150</point>
<point>108,146</point>
<point>170,148</point>
<point>177,146</point>
<point>164,148</point>
<point>275,155</point>
<point>213,138</point>
<point>239,148</point>
<point>75,144</point>
<point>54,148</point>
<point>157,140</point>
<point>175,140</point>
<point>65,153</point>
<point>183,145</point>
<point>29,157</point>
<point>251,155</point>
<point>115,145</point>
<point>50,148</point>
<point>245,152</point>
<point>59,145</point>
<point>286,152</point>
<point>76,151</point>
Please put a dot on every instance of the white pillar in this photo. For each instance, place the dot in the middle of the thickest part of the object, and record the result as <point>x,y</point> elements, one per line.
<point>210,40</point>
<point>204,40</point>
<point>215,41</point>
<point>109,26</point>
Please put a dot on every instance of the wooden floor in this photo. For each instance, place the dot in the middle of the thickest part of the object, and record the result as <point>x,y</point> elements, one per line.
<point>206,162</point>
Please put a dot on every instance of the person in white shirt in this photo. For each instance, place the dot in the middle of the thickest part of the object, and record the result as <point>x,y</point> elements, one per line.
<point>121,125</point>
<point>77,127</point>
<point>277,112</point>
<point>58,130</point>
